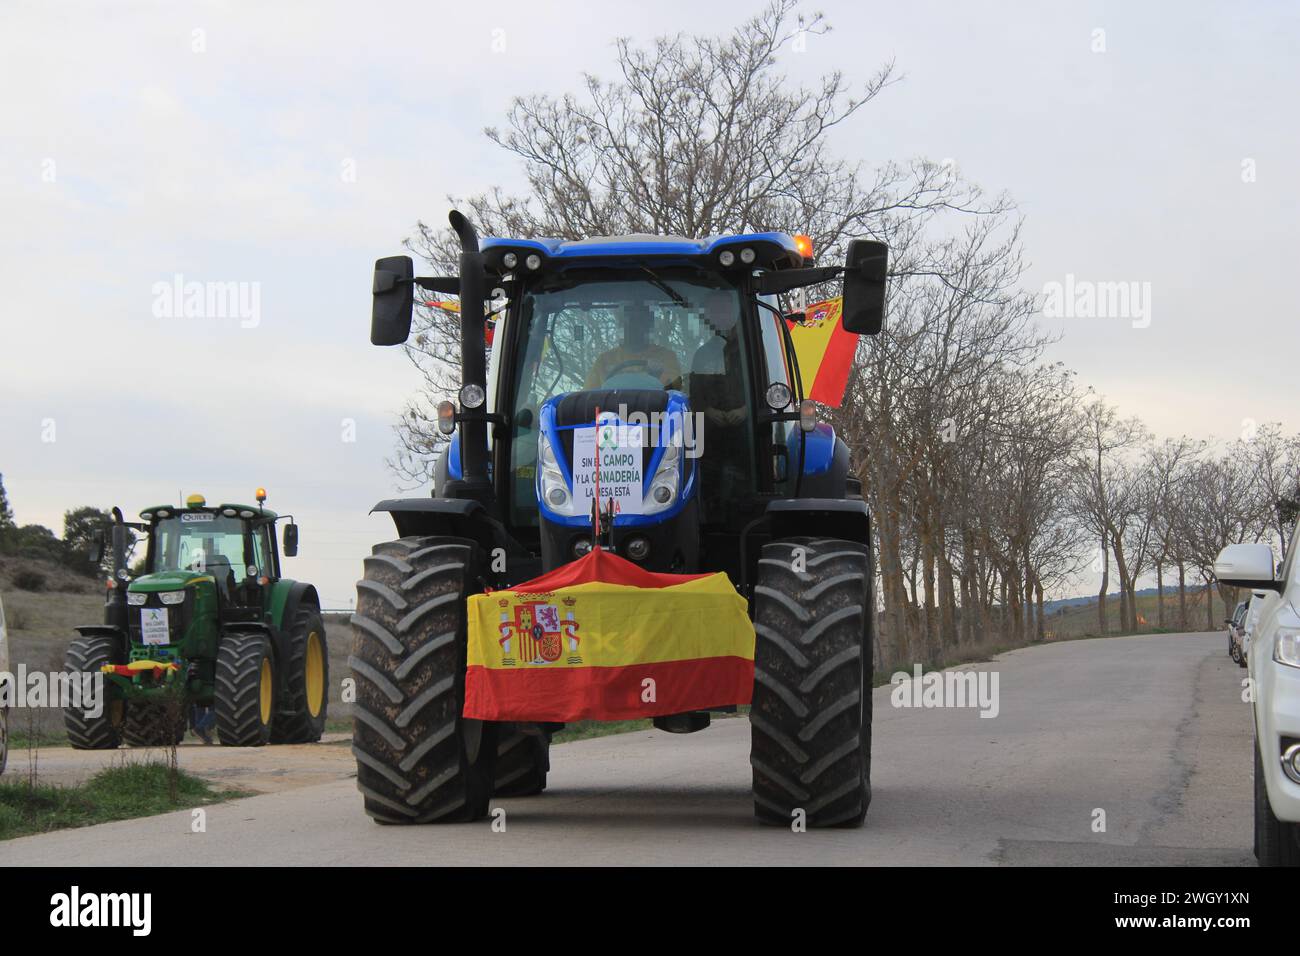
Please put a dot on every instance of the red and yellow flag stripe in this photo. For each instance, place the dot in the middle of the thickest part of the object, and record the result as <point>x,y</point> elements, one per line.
<point>568,649</point>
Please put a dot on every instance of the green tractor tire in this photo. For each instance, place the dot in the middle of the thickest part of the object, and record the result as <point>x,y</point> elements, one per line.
<point>301,717</point>
<point>418,759</point>
<point>87,730</point>
<point>245,694</point>
<point>154,723</point>
<point>811,714</point>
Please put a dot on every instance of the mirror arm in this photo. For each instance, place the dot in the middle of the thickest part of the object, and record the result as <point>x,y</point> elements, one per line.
<point>445,285</point>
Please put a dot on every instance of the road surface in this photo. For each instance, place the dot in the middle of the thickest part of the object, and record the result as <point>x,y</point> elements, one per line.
<point>1150,730</point>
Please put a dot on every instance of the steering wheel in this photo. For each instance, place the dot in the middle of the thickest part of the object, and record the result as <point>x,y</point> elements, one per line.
<point>631,363</point>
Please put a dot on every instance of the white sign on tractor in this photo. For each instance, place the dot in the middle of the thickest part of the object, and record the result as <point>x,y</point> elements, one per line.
<point>621,476</point>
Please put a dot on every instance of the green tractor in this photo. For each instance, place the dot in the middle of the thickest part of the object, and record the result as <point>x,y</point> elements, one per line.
<point>209,636</point>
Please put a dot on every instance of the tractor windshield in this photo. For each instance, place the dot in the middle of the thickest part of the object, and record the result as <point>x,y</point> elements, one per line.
<point>200,541</point>
<point>637,329</point>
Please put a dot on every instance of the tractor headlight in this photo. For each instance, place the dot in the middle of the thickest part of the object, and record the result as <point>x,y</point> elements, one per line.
<point>551,487</point>
<point>171,597</point>
<point>667,478</point>
<point>1286,646</point>
<point>136,598</point>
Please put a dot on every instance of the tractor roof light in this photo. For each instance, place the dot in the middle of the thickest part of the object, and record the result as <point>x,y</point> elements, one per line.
<point>534,262</point>
<point>446,417</point>
<point>510,260</point>
<point>229,512</point>
<point>195,501</point>
<point>727,258</point>
<point>261,495</point>
<point>747,256</point>
<point>805,245</point>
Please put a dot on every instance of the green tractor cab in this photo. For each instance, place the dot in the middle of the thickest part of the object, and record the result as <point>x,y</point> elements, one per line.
<point>211,635</point>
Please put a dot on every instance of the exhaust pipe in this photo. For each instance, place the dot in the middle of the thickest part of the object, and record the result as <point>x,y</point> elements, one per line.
<point>473,353</point>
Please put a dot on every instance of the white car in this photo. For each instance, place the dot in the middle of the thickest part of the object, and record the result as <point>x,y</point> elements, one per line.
<point>4,711</point>
<point>1274,668</point>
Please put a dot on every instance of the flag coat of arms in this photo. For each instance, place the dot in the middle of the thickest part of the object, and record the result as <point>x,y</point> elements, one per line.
<point>603,639</point>
<point>825,351</point>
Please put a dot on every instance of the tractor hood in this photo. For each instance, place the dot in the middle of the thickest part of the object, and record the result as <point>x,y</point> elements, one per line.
<point>167,581</point>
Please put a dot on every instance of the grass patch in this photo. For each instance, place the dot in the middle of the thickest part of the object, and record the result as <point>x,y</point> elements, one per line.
<point>115,793</point>
<point>586,729</point>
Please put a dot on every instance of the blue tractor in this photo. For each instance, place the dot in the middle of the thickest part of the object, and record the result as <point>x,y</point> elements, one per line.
<point>684,341</point>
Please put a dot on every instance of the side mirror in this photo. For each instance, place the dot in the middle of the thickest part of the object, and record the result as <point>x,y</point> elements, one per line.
<point>394,296</point>
<point>96,554</point>
<point>865,270</point>
<point>1246,566</point>
<point>291,541</point>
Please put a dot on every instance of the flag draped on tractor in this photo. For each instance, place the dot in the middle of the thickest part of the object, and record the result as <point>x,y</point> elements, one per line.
<point>825,351</point>
<point>603,639</point>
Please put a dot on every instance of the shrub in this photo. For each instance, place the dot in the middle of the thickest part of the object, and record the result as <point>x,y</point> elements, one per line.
<point>28,580</point>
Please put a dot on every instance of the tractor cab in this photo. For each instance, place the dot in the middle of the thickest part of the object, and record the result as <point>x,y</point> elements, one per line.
<point>643,390</point>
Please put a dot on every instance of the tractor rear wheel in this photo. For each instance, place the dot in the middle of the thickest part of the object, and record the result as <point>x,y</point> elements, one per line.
<point>811,714</point>
<point>87,730</point>
<point>418,759</point>
<point>523,761</point>
<point>154,724</point>
<point>301,719</point>
<point>245,695</point>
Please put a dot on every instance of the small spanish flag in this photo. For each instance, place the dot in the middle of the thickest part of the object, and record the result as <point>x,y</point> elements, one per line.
<point>825,351</point>
<point>603,639</point>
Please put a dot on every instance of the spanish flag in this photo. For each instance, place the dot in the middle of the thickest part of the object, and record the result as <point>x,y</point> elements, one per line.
<point>603,639</point>
<point>825,351</point>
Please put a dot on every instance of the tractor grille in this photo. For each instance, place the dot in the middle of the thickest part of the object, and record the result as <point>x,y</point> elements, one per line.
<point>178,617</point>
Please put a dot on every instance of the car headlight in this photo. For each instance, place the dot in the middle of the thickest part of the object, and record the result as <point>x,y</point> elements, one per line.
<point>1286,646</point>
<point>172,597</point>
<point>664,485</point>
<point>551,487</point>
<point>136,598</point>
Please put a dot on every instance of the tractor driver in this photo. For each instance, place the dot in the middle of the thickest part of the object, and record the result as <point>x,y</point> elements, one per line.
<point>637,356</point>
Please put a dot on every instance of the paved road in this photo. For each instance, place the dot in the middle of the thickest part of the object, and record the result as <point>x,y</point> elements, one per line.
<point>1151,730</point>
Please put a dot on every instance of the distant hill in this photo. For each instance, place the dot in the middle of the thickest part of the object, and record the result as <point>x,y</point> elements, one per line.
<point>1050,607</point>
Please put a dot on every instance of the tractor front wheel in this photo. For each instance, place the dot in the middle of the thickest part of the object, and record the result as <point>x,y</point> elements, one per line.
<point>301,719</point>
<point>418,759</point>
<point>523,761</point>
<point>99,727</point>
<point>811,714</point>
<point>154,723</point>
<point>245,695</point>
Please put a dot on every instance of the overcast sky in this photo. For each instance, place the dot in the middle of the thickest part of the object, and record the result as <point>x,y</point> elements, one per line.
<point>288,145</point>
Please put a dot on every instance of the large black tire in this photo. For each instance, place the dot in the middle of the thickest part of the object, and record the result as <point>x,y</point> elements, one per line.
<point>811,714</point>
<point>245,694</point>
<point>418,760</point>
<point>523,761</point>
<point>301,717</point>
<point>87,654</point>
<point>1276,843</point>
<point>153,724</point>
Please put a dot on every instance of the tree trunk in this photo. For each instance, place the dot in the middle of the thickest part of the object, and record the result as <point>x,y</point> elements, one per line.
<point>1105,586</point>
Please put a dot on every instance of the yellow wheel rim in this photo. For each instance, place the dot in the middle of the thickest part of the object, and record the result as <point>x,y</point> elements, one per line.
<point>315,674</point>
<point>266,689</point>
